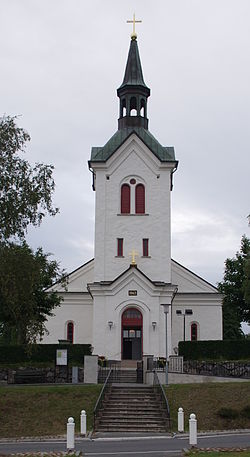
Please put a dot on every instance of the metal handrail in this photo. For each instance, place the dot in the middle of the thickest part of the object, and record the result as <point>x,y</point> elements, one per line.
<point>162,391</point>
<point>101,396</point>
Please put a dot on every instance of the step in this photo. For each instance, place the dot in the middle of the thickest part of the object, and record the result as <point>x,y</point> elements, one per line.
<point>128,418</point>
<point>129,364</point>
<point>130,399</point>
<point>134,408</point>
<point>131,393</point>
<point>117,428</point>
<point>134,391</point>
<point>135,404</point>
<point>137,419</point>
<point>132,412</point>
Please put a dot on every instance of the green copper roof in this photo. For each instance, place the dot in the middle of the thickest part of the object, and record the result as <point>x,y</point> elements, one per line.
<point>133,73</point>
<point>102,154</point>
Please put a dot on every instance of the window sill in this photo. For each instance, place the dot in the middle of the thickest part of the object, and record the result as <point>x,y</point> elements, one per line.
<point>119,256</point>
<point>132,214</point>
<point>146,256</point>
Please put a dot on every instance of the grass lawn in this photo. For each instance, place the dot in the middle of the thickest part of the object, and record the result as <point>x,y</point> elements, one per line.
<point>37,411</point>
<point>205,400</point>
<point>44,410</point>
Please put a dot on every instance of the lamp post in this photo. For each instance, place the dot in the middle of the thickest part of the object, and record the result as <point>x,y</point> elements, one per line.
<point>166,310</point>
<point>186,313</point>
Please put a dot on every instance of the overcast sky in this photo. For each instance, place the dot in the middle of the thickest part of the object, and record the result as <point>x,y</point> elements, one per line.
<point>61,63</point>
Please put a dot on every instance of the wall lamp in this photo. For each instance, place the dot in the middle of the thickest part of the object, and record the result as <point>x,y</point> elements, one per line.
<point>154,325</point>
<point>110,324</point>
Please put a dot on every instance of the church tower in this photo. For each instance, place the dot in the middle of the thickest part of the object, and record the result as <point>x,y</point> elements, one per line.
<point>132,180</point>
<point>132,300</point>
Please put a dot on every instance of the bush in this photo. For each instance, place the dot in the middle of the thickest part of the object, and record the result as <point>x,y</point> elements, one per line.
<point>42,353</point>
<point>228,413</point>
<point>215,350</point>
<point>246,412</point>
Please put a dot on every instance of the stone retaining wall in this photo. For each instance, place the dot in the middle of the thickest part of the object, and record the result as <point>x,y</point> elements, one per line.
<point>59,374</point>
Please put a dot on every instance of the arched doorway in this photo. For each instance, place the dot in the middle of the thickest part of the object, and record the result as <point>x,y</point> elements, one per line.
<point>132,334</point>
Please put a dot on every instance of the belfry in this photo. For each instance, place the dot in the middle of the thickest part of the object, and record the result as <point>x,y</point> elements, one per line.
<point>132,299</point>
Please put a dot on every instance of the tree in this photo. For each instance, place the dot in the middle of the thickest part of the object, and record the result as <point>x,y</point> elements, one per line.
<point>236,308</point>
<point>24,302</point>
<point>246,284</point>
<point>25,191</point>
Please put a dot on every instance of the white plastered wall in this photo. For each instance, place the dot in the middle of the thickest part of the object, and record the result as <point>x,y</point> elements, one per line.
<point>76,308</point>
<point>207,313</point>
<point>132,160</point>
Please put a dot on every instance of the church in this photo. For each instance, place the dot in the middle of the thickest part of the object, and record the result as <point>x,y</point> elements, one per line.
<point>132,299</point>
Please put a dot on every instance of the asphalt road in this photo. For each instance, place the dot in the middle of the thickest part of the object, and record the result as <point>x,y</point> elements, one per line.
<point>136,447</point>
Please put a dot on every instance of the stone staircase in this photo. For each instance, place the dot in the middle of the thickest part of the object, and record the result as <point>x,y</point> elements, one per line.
<point>124,376</point>
<point>132,408</point>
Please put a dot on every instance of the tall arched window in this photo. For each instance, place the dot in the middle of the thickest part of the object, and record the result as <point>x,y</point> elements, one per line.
<point>70,332</point>
<point>194,331</point>
<point>140,199</point>
<point>125,199</point>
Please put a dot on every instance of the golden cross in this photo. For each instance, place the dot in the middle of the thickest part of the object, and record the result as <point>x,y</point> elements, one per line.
<point>133,254</point>
<point>133,35</point>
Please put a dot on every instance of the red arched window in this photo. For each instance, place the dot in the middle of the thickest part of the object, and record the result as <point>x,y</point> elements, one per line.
<point>194,332</point>
<point>140,199</point>
<point>70,332</point>
<point>125,199</point>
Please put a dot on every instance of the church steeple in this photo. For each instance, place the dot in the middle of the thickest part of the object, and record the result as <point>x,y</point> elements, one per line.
<point>133,92</point>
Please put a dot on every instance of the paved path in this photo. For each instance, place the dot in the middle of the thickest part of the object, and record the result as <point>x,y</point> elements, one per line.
<point>130,447</point>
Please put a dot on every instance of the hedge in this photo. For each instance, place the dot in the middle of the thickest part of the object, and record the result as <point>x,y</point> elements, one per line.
<point>42,353</point>
<point>215,350</point>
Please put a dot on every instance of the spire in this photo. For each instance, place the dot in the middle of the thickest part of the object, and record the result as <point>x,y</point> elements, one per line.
<point>133,92</point>
<point>133,73</point>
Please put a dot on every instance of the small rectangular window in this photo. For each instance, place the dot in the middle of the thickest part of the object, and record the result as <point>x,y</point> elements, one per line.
<point>119,247</point>
<point>145,247</point>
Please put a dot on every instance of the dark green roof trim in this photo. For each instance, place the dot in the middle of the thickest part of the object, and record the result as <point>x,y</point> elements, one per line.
<point>102,154</point>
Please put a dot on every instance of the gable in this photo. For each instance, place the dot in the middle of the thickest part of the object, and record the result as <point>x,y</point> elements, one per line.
<point>186,280</point>
<point>189,282</point>
<point>133,154</point>
<point>78,279</point>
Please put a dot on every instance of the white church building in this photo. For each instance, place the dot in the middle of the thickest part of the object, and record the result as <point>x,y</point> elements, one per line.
<point>132,299</point>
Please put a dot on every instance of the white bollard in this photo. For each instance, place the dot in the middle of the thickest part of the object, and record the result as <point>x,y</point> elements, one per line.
<point>71,433</point>
<point>192,430</point>
<point>180,420</point>
<point>83,419</point>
